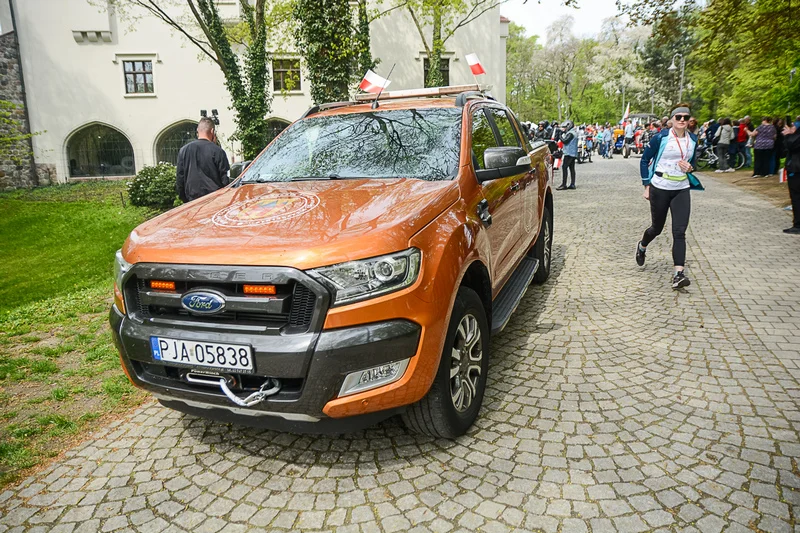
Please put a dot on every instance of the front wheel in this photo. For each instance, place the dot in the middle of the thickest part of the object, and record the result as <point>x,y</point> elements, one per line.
<point>739,163</point>
<point>454,400</point>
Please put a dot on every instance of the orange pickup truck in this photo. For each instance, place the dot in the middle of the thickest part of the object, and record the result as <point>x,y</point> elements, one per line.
<point>354,271</point>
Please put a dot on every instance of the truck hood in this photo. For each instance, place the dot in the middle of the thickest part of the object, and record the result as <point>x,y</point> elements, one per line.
<point>302,224</point>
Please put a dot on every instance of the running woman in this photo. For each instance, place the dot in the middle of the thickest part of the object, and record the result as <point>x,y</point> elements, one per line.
<point>666,169</point>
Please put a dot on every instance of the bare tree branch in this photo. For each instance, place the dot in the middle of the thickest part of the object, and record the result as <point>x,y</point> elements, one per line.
<point>471,15</point>
<point>154,9</point>
<point>387,11</point>
<point>419,29</point>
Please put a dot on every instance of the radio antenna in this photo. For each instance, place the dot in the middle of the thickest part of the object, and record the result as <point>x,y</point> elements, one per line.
<point>375,103</point>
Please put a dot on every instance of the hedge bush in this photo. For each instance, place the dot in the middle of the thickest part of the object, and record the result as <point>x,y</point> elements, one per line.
<point>154,187</point>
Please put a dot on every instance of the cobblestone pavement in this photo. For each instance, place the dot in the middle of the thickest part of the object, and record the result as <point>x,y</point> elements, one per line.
<point>614,404</point>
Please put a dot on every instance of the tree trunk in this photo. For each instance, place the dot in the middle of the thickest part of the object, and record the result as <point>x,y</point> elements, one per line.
<point>434,61</point>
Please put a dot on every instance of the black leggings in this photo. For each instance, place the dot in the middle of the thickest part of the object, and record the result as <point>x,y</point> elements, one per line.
<point>761,160</point>
<point>679,203</point>
<point>568,164</point>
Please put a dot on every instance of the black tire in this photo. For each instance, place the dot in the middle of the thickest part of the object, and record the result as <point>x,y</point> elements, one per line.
<point>627,153</point>
<point>739,161</point>
<point>703,160</point>
<point>436,414</point>
<point>543,247</point>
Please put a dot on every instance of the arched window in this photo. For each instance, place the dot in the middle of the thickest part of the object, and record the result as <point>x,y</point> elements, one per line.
<point>274,127</point>
<point>173,138</point>
<point>97,150</point>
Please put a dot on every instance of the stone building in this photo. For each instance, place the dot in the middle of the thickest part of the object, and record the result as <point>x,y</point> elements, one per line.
<point>16,158</point>
<point>111,94</point>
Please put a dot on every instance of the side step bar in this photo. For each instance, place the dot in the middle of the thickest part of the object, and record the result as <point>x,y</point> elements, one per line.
<point>510,295</point>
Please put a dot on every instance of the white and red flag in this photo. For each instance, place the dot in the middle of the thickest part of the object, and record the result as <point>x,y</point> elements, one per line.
<point>627,113</point>
<point>372,83</point>
<point>475,64</point>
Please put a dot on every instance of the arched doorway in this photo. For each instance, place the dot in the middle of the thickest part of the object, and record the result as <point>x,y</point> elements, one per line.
<point>274,127</point>
<point>172,139</point>
<point>97,150</point>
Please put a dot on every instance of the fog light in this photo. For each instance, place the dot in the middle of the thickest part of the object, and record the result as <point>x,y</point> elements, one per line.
<point>373,377</point>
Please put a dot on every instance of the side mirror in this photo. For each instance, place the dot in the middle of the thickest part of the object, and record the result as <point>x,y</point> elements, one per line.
<point>237,168</point>
<point>503,156</point>
<point>503,161</point>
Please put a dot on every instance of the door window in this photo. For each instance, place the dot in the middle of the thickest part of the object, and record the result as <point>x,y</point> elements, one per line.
<point>507,132</point>
<point>482,138</point>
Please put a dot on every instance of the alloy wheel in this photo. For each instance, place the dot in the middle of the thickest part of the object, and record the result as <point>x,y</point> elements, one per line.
<point>465,363</point>
<point>548,245</point>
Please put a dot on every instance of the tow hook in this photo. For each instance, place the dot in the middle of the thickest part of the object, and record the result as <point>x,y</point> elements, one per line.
<point>269,388</point>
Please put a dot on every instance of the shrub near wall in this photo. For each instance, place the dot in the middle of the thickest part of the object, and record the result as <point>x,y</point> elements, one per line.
<point>154,187</point>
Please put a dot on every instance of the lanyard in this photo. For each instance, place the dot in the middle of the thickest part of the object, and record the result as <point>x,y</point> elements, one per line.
<point>679,142</point>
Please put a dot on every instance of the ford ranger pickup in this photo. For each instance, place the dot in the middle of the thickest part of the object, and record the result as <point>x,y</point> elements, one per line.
<point>355,270</point>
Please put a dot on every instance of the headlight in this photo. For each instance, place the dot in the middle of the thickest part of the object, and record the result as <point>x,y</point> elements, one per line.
<point>359,280</point>
<point>121,268</point>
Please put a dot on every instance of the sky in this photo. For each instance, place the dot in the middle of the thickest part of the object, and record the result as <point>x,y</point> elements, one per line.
<point>536,17</point>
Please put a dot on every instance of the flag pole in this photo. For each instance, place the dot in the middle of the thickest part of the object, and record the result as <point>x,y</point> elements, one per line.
<point>476,81</point>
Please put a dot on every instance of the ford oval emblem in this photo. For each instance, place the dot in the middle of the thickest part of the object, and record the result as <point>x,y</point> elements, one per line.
<point>203,302</point>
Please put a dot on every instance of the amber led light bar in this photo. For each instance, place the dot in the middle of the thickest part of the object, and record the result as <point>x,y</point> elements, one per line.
<point>162,285</point>
<point>259,289</point>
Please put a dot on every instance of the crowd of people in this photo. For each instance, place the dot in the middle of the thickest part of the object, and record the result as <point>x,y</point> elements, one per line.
<point>669,149</point>
<point>762,146</point>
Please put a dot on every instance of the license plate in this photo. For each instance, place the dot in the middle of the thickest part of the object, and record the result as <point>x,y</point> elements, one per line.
<point>231,357</point>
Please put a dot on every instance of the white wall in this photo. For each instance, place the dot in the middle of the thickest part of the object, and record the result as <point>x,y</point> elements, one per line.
<point>5,17</point>
<point>70,84</point>
<point>395,39</point>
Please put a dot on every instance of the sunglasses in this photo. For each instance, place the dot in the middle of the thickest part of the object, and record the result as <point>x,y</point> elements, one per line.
<point>682,117</point>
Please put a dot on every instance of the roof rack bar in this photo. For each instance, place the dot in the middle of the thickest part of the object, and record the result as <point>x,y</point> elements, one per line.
<point>462,98</point>
<point>415,93</point>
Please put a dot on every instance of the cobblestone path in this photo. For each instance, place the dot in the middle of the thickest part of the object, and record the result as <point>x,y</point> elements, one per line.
<point>614,404</point>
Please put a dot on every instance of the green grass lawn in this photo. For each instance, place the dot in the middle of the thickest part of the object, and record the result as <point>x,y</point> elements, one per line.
<point>59,370</point>
<point>56,240</point>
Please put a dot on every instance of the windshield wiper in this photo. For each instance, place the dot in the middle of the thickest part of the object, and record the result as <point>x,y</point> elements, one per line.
<point>313,178</point>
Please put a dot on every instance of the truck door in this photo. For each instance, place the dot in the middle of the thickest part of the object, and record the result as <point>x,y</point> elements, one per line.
<point>524,184</point>
<point>529,181</point>
<point>501,197</point>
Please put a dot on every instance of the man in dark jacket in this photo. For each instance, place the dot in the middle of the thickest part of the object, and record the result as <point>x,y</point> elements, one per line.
<point>791,140</point>
<point>202,165</point>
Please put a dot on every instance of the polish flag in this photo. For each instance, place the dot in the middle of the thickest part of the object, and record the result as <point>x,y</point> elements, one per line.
<point>627,112</point>
<point>475,64</point>
<point>372,83</point>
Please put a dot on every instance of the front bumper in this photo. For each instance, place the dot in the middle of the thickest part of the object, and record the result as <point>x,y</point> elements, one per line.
<point>311,365</point>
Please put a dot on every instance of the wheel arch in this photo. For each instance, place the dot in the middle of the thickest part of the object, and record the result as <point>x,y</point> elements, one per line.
<point>476,277</point>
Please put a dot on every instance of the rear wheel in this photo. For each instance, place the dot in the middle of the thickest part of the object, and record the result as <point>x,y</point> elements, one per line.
<point>543,248</point>
<point>454,400</point>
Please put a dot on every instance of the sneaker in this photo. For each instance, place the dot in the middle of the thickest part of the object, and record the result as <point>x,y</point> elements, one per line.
<point>561,188</point>
<point>572,186</point>
<point>680,280</point>
<point>719,170</point>
<point>640,254</point>
<point>794,230</point>
<point>730,170</point>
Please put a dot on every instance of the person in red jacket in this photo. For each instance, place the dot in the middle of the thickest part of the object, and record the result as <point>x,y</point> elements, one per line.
<point>741,141</point>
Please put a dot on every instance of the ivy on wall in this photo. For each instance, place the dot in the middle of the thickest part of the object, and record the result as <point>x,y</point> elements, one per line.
<point>324,37</point>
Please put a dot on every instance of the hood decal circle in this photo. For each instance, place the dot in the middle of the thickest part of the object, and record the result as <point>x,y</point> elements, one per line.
<point>265,209</point>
